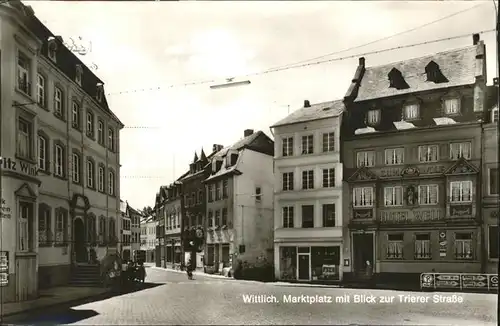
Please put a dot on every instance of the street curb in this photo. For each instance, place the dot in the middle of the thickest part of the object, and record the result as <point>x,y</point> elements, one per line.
<point>194,273</point>
<point>52,305</point>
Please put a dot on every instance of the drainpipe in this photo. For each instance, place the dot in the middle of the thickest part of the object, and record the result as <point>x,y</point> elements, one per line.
<point>480,219</point>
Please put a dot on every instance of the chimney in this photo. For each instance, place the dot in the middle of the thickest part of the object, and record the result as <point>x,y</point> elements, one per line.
<point>307,104</point>
<point>362,61</point>
<point>217,148</point>
<point>247,132</point>
<point>475,39</point>
<point>59,38</point>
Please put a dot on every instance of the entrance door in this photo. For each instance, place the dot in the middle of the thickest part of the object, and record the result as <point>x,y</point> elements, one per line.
<point>304,267</point>
<point>79,234</point>
<point>363,259</point>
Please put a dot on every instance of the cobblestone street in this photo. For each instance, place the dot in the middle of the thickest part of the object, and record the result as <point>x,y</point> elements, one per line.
<point>207,300</point>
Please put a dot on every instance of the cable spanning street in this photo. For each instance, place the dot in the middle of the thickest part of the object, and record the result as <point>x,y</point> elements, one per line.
<point>216,301</point>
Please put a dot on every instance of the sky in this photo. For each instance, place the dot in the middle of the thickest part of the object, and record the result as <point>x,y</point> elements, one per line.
<point>144,45</point>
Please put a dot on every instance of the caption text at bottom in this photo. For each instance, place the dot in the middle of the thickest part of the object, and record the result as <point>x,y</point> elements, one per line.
<point>356,299</point>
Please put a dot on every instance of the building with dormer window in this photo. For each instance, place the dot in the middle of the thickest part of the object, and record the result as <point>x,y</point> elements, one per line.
<point>412,150</point>
<point>239,195</point>
<point>60,183</point>
<point>308,194</point>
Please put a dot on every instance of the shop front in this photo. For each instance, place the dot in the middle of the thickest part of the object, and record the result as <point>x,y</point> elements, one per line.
<point>310,263</point>
<point>173,253</point>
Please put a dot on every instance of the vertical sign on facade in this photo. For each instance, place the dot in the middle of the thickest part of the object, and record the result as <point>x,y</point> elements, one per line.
<point>4,268</point>
<point>443,243</point>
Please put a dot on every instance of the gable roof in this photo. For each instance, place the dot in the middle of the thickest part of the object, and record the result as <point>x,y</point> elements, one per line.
<point>461,167</point>
<point>66,61</point>
<point>316,111</point>
<point>458,66</point>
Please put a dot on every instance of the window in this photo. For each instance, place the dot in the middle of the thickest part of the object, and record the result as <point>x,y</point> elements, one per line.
<point>76,167</point>
<point>287,216</point>
<point>42,153</point>
<point>494,115</point>
<point>363,197</point>
<point>428,153</point>
<point>102,230</point>
<point>258,192</point>
<point>366,158</point>
<point>58,102</point>
<point>90,124</point>
<point>373,117</point>
<point>307,144</point>
<point>218,187</point>
<point>428,194</point>
<point>59,161</point>
<point>460,150</point>
<point>78,75</point>
<point>111,139</point>
<point>461,191</point>
<point>307,216</point>
<point>288,181</point>
<point>210,192</point>
<point>90,173</point>
<point>452,106</point>
<point>100,132</point>
<point>393,196</point>
<point>329,142</point>
<point>210,219</point>
<point>24,138</point>
<point>493,182</point>
<point>395,246</point>
<point>328,178</point>
<point>26,223</point>
<point>217,218</point>
<point>423,246</point>
<point>463,246</point>
<point>288,146</point>
<point>493,241</point>
<point>23,73</point>
<point>224,189</point>
<point>40,91</point>
<point>200,196</point>
<point>224,216</point>
<point>328,215</point>
<point>193,198</point>
<point>44,225</point>
<point>100,179</point>
<point>75,116</point>
<point>111,183</point>
<point>308,179</point>
<point>394,156</point>
<point>411,111</point>
<point>112,229</point>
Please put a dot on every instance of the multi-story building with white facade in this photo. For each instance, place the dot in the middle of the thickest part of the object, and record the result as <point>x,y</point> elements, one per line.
<point>135,229</point>
<point>126,233</point>
<point>60,163</point>
<point>240,203</point>
<point>308,194</point>
<point>148,237</point>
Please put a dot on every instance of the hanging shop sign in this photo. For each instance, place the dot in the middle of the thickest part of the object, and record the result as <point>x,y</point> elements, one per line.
<point>443,243</point>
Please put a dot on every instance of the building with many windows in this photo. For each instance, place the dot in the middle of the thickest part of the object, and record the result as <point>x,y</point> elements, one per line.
<point>239,194</point>
<point>135,229</point>
<point>125,231</point>
<point>308,194</point>
<point>148,238</point>
<point>60,166</point>
<point>412,150</point>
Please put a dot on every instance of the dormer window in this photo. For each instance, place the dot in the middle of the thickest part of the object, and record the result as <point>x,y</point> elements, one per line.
<point>411,111</point>
<point>494,115</point>
<point>452,106</point>
<point>78,75</point>
<point>434,73</point>
<point>52,49</point>
<point>99,92</point>
<point>396,80</point>
<point>373,117</point>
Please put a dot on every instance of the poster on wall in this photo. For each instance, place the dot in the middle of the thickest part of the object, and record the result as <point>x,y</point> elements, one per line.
<point>443,243</point>
<point>4,261</point>
<point>4,279</point>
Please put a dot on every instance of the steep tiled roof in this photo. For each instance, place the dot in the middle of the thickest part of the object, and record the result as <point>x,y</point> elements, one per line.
<point>314,112</point>
<point>67,61</point>
<point>458,66</point>
<point>239,144</point>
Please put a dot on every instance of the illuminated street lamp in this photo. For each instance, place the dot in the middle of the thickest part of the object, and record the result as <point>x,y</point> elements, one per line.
<point>230,83</point>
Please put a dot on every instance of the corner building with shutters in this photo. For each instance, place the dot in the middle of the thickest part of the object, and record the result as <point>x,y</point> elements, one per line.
<point>60,165</point>
<point>412,154</point>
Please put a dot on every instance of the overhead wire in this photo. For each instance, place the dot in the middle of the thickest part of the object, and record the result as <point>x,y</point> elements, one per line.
<point>268,71</point>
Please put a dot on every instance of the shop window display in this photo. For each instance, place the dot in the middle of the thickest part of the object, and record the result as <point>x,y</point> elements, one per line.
<point>288,263</point>
<point>325,263</point>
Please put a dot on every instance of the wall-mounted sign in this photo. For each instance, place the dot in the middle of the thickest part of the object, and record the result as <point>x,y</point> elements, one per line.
<point>346,262</point>
<point>443,243</point>
<point>415,216</point>
<point>4,268</point>
<point>12,164</point>
<point>5,211</point>
<point>462,281</point>
<point>329,270</point>
<point>462,210</point>
<point>412,171</point>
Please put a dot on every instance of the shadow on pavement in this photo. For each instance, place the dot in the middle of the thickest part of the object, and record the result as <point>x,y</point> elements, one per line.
<point>63,313</point>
